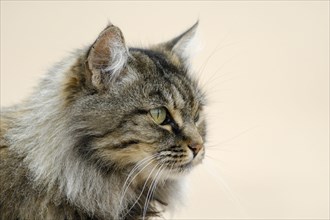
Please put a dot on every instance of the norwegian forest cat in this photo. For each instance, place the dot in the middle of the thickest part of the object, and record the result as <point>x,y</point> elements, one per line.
<point>109,133</point>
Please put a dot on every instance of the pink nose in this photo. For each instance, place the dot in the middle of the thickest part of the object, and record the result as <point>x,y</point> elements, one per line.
<point>195,148</point>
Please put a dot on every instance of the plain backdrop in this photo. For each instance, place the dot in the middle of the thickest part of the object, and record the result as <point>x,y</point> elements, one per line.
<point>264,65</point>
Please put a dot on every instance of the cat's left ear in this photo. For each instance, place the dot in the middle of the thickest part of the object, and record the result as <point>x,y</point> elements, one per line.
<point>107,57</point>
<point>184,44</point>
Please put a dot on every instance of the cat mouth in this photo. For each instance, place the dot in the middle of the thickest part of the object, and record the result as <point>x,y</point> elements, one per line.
<point>178,162</point>
<point>179,167</point>
<point>180,170</point>
<point>172,168</point>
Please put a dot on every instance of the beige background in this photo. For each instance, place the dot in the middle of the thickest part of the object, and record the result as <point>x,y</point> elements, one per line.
<point>265,66</point>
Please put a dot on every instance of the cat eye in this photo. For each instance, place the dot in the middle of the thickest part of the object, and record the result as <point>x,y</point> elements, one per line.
<point>158,115</point>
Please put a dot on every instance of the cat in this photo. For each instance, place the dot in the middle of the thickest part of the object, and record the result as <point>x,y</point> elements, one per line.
<point>109,133</point>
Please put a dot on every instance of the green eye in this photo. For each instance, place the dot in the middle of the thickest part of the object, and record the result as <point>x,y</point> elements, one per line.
<point>158,115</point>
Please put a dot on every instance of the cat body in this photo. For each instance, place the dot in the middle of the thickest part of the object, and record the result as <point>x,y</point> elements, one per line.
<point>109,133</point>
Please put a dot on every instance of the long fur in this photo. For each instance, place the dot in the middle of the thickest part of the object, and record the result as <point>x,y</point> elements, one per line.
<point>63,150</point>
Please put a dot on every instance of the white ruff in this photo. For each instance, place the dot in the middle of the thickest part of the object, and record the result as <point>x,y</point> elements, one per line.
<point>44,139</point>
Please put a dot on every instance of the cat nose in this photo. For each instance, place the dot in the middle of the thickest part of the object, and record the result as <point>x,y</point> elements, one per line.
<point>195,148</point>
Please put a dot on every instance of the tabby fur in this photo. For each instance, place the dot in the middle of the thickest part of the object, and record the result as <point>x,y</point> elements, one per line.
<point>84,146</point>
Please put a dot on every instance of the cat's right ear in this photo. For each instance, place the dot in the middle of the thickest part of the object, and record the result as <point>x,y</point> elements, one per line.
<point>107,57</point>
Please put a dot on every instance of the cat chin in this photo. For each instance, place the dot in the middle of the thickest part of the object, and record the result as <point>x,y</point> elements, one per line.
<point>180,171</point>
<point>162,173</point>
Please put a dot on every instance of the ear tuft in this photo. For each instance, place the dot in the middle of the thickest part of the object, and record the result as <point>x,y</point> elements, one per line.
<point>183,44</point>
<point>107,56</point>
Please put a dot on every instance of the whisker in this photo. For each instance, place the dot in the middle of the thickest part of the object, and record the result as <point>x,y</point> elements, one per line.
<point>142,190</point>
<point>220,144</point>
<point>213,158</point>
<point>222,148</point>
<point>217,87</point>
<point>170,170</point>
<point>136,167</point>
<point>214,76</point>
<point>215,50</point>
<point>150,191</point>
<point>226,189</point>
<point>145,162</point>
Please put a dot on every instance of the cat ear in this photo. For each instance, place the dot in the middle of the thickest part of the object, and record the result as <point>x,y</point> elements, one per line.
<point>183,44</point>
<point>107,56</point>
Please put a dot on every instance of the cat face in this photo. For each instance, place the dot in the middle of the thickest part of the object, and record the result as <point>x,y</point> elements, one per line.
<point>140,108</point>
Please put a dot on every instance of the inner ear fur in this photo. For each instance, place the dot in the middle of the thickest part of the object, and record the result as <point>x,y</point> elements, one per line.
<point>107,57</point>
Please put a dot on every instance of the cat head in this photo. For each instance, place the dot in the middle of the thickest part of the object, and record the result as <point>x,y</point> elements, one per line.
<point>134,107</point>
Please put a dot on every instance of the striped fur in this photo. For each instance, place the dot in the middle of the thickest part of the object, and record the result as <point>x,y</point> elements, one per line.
<point>84,145</point>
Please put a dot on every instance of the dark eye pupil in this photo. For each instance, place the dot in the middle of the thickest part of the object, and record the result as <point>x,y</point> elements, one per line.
<point>167,120</point>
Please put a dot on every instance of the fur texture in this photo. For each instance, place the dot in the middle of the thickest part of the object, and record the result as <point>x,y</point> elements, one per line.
<point>85,146</point>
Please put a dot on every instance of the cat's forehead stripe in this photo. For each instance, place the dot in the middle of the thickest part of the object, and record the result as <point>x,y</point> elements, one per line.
<point>177,98</point>
<point>177,88</point>
<point>161,62</point>
<point>172,73</point>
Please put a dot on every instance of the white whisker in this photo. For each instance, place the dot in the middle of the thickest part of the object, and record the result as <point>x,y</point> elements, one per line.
<point>151,190</point>
<point>145,162</point>
<point>142,190</point>
<point>226,189</point>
